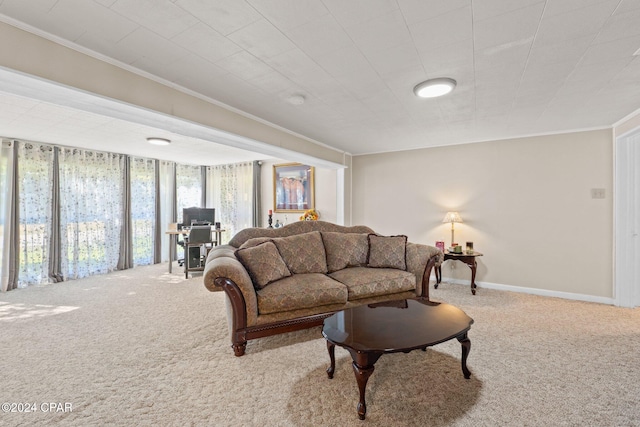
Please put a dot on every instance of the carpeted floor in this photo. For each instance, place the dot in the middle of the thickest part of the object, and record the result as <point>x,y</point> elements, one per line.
<point>142,347</point>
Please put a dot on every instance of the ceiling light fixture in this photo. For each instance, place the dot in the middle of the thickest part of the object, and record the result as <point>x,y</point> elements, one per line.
<point>158,141</point>
<point>434,87</point>
<point>296,99</point>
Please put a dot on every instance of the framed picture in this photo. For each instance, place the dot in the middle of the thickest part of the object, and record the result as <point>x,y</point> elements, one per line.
<point>293,187</point>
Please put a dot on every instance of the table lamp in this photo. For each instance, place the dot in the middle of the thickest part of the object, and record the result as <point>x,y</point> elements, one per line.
<point>452,217</point>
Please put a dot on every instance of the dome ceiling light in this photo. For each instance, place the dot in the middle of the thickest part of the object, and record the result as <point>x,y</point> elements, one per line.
<point>296,99</point>
<point>434,88</point>
<point>158,141</point>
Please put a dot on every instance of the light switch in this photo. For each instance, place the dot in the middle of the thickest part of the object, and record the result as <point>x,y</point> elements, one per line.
<point>597,193</point>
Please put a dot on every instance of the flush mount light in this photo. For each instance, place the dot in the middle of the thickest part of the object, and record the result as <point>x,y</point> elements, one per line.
<point>296,99</point>
<point>434,87</point>
<point>158,141</point>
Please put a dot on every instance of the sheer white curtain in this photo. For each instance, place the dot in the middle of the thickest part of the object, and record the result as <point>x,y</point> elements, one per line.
<point>91,194</point>
<point>230,192</point>
<point>143,209</point>
<point>189,187</point>
<point>35,183</point>
<point>6,183</point>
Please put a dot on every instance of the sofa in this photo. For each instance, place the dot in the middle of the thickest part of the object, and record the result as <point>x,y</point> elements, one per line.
<point>293,277</point>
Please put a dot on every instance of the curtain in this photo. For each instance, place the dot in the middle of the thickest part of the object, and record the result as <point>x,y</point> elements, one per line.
<point>125,258</point>
<point>55,255</point>
<point>257,194</point>
<point>159,228</point>
<point>8,247</point>
<point>167,202</point>
<point>35,190</point>
<point>231,194</point>
<point>143,209</point>
<point>91,194</point>
<point>188,187</point>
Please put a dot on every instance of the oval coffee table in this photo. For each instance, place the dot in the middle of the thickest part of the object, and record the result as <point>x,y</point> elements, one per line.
<point>369,331</point>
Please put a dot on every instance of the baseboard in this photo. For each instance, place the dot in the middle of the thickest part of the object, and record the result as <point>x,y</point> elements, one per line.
<point>532,291</point>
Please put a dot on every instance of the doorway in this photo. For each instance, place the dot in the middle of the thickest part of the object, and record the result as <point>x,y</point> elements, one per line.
<point>627,219</point>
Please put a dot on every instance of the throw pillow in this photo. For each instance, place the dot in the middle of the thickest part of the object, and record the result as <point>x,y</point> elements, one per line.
<point>345,249</point>
<point>303,253</point>
<point>387,252</point>
<point>263,263</point>
<point>254,242</point>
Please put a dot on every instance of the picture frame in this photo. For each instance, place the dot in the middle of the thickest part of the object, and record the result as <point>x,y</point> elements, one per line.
<point>293,187</point>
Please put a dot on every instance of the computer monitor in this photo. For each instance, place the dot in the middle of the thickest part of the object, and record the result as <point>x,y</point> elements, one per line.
<point>198,216</point>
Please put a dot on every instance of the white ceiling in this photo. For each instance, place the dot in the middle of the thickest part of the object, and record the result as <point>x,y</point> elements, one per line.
<point>523,67</point>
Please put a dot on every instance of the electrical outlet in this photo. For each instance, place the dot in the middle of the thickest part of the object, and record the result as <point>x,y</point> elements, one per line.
<point>597,193</point>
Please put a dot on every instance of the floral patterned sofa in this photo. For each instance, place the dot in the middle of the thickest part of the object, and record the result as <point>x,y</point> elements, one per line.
<point>290,278</point>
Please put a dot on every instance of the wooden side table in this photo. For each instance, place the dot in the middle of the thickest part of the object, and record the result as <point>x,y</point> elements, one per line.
<point>469,259</point>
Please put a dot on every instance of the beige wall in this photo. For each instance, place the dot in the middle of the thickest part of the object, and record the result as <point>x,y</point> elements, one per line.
<point>526,204</point>
<point>325,193</point>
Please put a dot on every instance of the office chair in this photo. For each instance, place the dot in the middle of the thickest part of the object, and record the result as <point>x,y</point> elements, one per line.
<point>199,236</point>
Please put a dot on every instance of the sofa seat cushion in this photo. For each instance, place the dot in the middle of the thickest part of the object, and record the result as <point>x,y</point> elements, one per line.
<point>363,282</point>
<point>300,291</point>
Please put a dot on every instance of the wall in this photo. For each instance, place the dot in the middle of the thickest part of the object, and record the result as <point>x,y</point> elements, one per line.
<point>325,193</point>
<point>526,204</point>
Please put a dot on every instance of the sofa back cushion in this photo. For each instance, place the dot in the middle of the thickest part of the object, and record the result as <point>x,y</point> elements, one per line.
<point>255,242</point>
<point>263,263</point>
<point>387,252</point>
<point>303,253</point>
<point>345,250</point>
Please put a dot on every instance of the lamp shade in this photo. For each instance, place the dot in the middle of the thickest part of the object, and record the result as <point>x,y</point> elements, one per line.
<point>452,217</point>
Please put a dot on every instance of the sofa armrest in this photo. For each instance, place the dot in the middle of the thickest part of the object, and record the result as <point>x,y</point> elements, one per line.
<point>224,272</point>
<point>421,259</point>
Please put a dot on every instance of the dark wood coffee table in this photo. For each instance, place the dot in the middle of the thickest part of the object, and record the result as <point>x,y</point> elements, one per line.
<point>369,331</point>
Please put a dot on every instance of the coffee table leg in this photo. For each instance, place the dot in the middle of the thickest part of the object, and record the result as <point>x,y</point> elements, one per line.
<point>362,376</point>
<point>466,348</point>
<point>332,355</point>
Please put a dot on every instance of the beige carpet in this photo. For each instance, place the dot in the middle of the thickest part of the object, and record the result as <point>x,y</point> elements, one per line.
<point>143,347</point>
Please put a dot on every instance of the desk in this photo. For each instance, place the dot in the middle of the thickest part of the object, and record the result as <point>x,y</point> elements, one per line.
<point>173,242</point>
<point>469,259</point>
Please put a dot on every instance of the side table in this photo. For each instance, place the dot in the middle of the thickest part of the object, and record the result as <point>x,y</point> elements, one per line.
<point>469,259</point>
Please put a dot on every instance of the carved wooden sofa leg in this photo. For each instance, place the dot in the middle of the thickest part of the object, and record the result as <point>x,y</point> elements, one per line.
<point>239,348</point>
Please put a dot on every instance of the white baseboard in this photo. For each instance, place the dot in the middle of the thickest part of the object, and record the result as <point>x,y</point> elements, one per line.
<point>532,291</point>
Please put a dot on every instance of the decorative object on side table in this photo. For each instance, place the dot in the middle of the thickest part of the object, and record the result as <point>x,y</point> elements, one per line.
<point>452,217</point>
<point>270,218</point>
<point>440,245</point>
